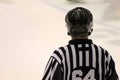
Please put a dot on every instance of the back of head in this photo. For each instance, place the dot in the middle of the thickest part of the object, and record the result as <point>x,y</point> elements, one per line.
<point>79,22</point>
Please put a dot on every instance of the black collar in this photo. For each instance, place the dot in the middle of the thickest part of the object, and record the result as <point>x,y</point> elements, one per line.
<point>80,41</point>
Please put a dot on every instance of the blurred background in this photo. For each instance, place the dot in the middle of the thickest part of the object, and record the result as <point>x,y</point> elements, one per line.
<point>30,30</point>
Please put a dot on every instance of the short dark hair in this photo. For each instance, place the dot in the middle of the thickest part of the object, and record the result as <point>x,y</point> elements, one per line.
<point>78,21</point>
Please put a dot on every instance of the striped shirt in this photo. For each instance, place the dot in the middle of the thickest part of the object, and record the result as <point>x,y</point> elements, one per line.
<point>80,60</point>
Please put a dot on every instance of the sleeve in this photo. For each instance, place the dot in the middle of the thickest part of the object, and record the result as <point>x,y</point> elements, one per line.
<point>53,70</point>
<point>111,73</point>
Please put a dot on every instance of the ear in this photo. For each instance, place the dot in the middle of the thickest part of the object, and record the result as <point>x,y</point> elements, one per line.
<point>91,25</point>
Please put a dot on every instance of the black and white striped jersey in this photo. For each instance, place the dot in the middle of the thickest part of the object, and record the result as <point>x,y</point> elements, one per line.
<point>80,60</point>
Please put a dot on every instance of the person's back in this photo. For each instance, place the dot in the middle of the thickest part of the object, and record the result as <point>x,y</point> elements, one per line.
<point>81,59</point>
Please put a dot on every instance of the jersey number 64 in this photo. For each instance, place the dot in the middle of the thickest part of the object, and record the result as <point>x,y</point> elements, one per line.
<point>78,75</point>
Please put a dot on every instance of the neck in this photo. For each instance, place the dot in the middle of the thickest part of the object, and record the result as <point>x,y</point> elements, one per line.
<point>74,38</point>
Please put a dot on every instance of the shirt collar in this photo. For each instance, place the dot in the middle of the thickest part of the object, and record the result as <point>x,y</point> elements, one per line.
<point>80,41</point>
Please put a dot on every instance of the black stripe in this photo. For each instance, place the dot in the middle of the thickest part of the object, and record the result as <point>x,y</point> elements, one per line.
<point>53,64</point>
<point>49,78</point>
<point>46,74</point>
<point>48,62</point>
<point>90,55</point>
<point>71,56</point>
<point>77,55</point>
<point>103,64</point>
<point>58,54</point>
<point>97,63</point>
<point>64,52</point>
<point>84,55</point>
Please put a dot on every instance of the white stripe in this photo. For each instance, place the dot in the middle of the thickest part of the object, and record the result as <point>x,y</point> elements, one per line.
<point>48,76</point>
<point>68,63</point>
<point>80,46</point>
<point>87,58</point>
<point>48,65</point>
<point>108,59</point>
<point>86,45</point>
<point>100,65</point>
<point>63,57</point>
<point>57,58</point>
<point>81,58</point>
<point>74,56</point>
<point>93,57</point>
<point>53,71</point>
<point>105,62</point>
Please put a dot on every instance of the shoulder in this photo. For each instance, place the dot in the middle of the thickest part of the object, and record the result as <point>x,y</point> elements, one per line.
<point>101,50</point>
<point>104,52</point>
<point>60,50</point>
<point>59,53</point>
<point>99,47</point>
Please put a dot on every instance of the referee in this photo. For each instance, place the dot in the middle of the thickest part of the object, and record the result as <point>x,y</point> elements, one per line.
<point>81,59</point>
